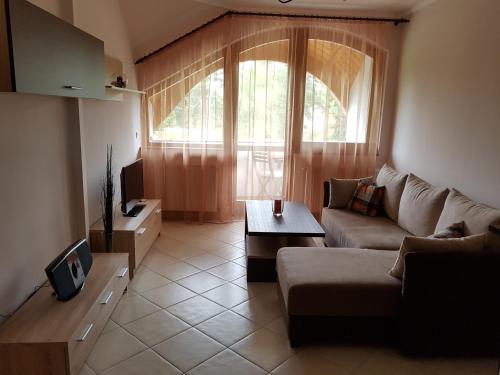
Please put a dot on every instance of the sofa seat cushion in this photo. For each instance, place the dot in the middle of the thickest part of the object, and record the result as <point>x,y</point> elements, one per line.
<point>321,281</point>
<point>349,229</point>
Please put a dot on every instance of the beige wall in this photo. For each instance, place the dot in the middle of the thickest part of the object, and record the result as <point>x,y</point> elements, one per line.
<point>447,125</point>
<point>107,122</point>
<point>45,183</point>
<point>40,189</point>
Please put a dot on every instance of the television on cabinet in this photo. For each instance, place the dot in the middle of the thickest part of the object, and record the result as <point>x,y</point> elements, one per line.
<point>132,188</point>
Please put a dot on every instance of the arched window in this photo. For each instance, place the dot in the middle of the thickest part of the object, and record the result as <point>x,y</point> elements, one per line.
<point>324,116</point>
<point>197,113</point>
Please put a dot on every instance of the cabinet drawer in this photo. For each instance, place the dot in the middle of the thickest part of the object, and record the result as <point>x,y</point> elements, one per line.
<point>85,337</point>
<point>146,234</point>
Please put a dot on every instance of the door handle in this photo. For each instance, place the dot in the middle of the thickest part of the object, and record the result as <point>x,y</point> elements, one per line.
<point>73,87</point>
<point>86,332</point>
<point>106,299</point>
<point>122,272</point>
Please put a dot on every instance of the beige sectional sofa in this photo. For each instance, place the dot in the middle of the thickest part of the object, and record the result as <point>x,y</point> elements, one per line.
<point>349,279</point>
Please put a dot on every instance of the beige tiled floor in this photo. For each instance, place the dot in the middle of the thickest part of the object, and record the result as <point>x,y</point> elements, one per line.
<point>190,310</point>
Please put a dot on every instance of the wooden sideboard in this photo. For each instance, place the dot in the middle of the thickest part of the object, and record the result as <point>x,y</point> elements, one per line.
<point>133,235</point>
<point>50,337</point>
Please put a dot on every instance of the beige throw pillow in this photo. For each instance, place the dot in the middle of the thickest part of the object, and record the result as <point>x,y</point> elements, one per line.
<point>420,207</point>
<point>394,184</point>
<point>342,190</point>
<point>422,244</point>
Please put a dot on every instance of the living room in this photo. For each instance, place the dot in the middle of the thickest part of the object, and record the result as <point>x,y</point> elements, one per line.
<point>241,128</point>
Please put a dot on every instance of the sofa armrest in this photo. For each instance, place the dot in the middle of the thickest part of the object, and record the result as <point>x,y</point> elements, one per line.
<point>326,193</point>
<point>451,302</point>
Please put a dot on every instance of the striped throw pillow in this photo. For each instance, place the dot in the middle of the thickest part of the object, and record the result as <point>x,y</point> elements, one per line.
<point>367,199</point>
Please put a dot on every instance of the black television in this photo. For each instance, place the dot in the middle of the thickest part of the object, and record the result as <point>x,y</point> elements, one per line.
<point>132,187</point>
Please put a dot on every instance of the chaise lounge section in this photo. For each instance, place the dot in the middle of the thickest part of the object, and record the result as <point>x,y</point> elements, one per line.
<point>445,302</point>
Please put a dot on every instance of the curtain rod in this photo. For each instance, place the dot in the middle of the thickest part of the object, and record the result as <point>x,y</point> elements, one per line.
<point>395,21</point>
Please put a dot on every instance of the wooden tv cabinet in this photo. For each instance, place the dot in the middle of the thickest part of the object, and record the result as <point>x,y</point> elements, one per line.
<point>50,337</point>
<point>133,235</point>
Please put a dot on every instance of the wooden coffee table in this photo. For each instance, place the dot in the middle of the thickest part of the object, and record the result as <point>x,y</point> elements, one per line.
<point>265,234</point>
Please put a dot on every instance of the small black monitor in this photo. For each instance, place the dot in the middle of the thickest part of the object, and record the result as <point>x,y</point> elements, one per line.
<point>132,187</point>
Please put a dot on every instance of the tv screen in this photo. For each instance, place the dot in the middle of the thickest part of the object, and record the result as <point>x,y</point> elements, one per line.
<point>132,186</point>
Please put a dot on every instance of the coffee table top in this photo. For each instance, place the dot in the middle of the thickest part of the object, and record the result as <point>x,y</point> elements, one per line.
<point>296,220</point>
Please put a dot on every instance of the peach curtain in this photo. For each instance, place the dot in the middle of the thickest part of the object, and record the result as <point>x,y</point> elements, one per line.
<point>253,107</point>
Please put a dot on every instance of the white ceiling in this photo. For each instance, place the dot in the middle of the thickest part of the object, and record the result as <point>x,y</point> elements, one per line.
<point>154,23</point>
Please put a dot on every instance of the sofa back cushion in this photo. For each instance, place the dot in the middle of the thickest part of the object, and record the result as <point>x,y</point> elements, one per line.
<point>420,207</point>
<point>419,244</point>
<point>394,183</point>
<point>342,190</point>
<point>476,216</point>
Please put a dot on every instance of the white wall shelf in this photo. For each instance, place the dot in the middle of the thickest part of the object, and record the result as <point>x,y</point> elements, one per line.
<point>109,87</point>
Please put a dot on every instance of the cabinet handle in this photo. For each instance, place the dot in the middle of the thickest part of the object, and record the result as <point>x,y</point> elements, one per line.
<point>122,272</point>
<point>86,332</point>
<point>106,299</point>
<point>158,211</point>
<point>73,87</point>
<point>141,231</point>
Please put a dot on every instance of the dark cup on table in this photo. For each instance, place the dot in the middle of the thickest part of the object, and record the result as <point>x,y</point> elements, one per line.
<point>278,207</point>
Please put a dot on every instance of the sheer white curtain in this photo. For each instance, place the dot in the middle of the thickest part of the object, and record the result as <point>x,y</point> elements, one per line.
<point>254,107</point>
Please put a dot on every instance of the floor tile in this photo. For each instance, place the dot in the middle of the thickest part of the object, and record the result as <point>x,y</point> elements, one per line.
<point>183,251</point>
<point>240,244</point>
<point>201,282</point>
<point>147,362</point>
<point>264,348</point>
<point>278,326</point>
<point>227,236</point>
<point>227,363</point>
<point>229,252</point>
<point>188,349</point>
<point>347,357</point>
<point>155,258</point>
<point>142,268</point>
<point>307,363</point>
<point>242,261</point>
<point>257,288</point>
<point>155,328</point>
<point>168,295</point>
<point>261,309</point>
<point>195,310</point>
<point>206,261</point>
<point>228,271</point>
<point>165,242</point>
<point>227,295</point>
<point>177,270</point>
<point>205,243</point>
<point>147,280</point>
<point>110,325</point>
<point>227,328</point>
<point>112,348</point>
<point>86,370</point>
<point>132,308</point>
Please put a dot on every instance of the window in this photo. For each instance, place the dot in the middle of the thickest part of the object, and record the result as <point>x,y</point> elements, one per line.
<point>262,102</point>
<point>324,117</point>
<point>196,116</point>
<point>337,93</point>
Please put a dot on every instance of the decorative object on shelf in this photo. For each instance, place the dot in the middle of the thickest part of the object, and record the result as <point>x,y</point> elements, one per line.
<point>107,195</point>
<point>119,80</point>
<point>284,1</point>
<point>278,207</point>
